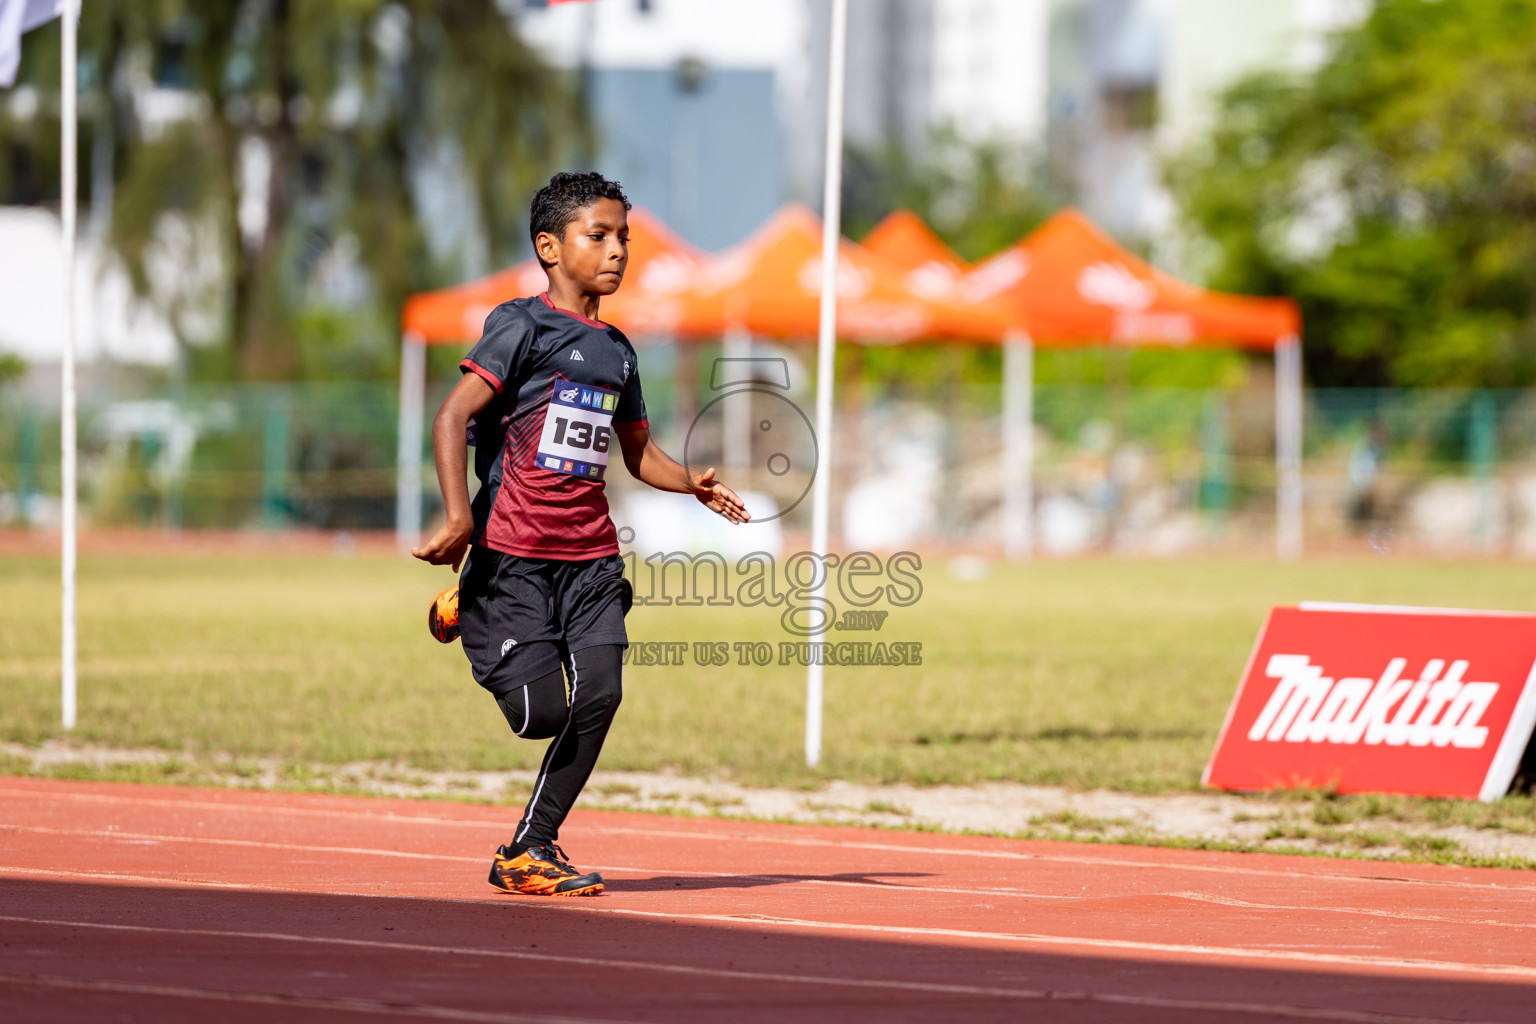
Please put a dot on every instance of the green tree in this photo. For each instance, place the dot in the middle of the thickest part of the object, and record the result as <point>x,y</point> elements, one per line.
<point>12,368</point>
<point>296,157</point>
<point>1392,193</point>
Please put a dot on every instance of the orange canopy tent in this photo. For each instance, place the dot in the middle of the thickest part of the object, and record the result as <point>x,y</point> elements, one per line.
<point>770,285</point>
<point>1069,283</point>
<point>905,238</point>
<point>660,264</point>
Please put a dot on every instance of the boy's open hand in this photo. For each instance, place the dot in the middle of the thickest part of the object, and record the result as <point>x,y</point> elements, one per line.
<point>719,498</point>
<point>447,545</point>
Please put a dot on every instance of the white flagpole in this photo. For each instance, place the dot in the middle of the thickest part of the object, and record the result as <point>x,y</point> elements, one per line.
<point>67,186</point>
<point>826,349</point>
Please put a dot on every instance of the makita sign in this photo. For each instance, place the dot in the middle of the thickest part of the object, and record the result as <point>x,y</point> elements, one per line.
<point>1307,706</point>
<point>1436,702</point>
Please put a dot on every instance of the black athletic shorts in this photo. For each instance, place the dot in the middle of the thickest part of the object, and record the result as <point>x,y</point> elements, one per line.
<point>521,618</point>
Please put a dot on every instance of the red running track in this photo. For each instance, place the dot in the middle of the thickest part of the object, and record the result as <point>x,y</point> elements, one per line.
<point>122,902</point>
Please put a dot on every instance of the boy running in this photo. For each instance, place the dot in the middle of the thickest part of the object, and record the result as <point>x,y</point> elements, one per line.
<point>544,394</point>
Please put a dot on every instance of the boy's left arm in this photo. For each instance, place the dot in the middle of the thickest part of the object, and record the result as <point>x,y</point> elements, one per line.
<point>649,464</point>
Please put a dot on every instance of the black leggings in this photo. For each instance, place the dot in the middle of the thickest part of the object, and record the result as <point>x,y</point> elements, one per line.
<point>578,722</point>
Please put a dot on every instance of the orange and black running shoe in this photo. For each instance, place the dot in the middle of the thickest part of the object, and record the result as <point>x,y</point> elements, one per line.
<point>443,616</point>
<point>542,871</point>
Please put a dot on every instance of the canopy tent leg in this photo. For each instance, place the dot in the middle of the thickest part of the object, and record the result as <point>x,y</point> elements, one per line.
<point>1288,447</point>
<point>413,377</point>
<point>826,350</point>
<point>1018,446</point>
<point>685,390</point>
<point>737,428</point>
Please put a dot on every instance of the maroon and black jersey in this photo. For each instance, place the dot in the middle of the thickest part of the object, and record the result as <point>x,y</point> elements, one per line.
<point>564,384</point>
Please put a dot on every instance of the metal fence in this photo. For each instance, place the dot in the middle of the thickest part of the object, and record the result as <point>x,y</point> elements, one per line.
<point>1139,470</point>
<point>214,456</point>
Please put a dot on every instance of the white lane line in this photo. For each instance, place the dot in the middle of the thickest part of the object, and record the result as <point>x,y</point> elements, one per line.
<point>1034,939</point>
<point>934,988</point>
<point>203,883</point>
<point>490,897</point>
<point>339,1003</point>
<point>894,887</point>
<point>737,837</point>
<point>166,880</point>
<point>136,838</point>
<point>239,808</point>
<point>98,835</point>
<point>1400,915</point>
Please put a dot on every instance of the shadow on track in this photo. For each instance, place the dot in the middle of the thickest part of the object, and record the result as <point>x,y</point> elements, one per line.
<point>668,883</point>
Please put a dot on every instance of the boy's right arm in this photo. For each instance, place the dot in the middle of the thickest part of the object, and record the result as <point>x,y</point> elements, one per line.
<point>449,452</point>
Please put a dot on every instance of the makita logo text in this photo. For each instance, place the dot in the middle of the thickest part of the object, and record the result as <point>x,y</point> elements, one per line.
<point>1435,709</point>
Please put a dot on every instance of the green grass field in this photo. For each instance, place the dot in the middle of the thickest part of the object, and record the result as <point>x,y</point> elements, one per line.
<point>1088,673</point>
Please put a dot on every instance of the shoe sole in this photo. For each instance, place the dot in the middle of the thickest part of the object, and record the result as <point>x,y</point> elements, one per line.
<point>586,890</point>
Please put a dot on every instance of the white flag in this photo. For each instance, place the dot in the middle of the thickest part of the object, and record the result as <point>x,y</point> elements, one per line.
<point>18,17</point>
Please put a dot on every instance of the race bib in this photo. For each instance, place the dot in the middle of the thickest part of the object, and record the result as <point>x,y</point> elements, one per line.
<point>578,429</point>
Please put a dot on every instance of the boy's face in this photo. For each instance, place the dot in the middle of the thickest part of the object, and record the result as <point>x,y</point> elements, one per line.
<point>594,251</point>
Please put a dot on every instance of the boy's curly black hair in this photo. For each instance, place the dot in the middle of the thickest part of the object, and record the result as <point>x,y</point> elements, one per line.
<point>556,204</point>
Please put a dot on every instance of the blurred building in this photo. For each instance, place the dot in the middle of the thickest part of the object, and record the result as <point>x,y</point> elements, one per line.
<point>691,99</point>
<point>112,324</point>
<point>1102,89</point>
<point>976,66</point>
<point>689,92</point>
<point>699,146</point>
